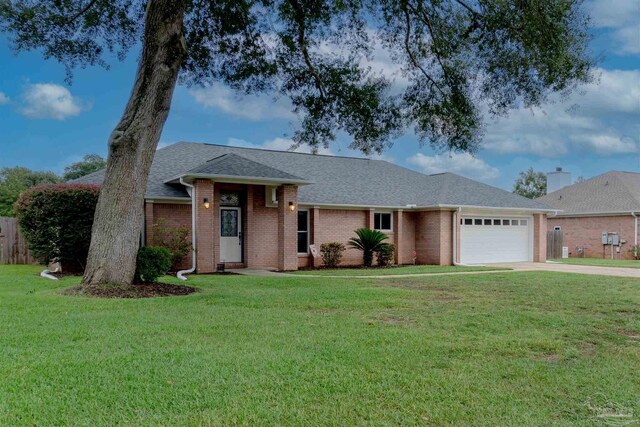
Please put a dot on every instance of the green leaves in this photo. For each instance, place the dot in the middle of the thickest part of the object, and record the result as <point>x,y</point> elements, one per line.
<point>14,181</point>
<point>90,163</point>
<point>56,221</point>
<point>368,241</point>
<point>460,60</point>
<point>531,184</point>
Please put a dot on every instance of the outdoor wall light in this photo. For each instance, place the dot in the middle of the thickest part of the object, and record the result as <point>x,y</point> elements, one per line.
<point>205,202</point>
<point>292,207</point>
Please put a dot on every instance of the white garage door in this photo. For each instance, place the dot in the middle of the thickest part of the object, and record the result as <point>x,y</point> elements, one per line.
<point>495,239</point>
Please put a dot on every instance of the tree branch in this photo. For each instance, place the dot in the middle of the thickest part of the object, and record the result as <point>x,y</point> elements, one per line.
<point>407,47</point>
<point>81,12</point>
<point>299,17</point>
<point>436,51</point>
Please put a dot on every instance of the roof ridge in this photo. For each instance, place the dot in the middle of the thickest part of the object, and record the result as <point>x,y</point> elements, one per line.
<point>280,151</point>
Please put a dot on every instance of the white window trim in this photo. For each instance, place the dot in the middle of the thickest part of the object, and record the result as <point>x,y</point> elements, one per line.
<point>271,196</point>
<point>384,230</point>
<point>308,232</point>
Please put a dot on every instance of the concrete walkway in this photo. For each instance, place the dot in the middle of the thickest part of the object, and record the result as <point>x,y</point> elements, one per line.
<point>515,267</point>
<point>572,268</point>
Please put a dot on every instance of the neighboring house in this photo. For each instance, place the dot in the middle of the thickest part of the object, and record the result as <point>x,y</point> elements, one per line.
<point>608,203</point>
<point>262,208</point>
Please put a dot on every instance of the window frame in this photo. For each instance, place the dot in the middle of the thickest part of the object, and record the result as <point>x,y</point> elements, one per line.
<point>307,231</point>
<point>387,230</point>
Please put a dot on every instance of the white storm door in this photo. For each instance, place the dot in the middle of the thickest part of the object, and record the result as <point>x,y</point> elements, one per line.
<point>230,235</point>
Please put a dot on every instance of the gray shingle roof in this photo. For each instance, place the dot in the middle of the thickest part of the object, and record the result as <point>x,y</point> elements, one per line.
<point>607,193</point>
<point>232,165</point>
<point>335,180</point>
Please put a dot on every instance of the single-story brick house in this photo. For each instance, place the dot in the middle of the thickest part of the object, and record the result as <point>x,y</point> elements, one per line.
<point>263,208</point>
<point>608,203</point>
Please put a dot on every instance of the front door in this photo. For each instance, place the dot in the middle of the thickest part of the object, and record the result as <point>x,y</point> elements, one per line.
<point>230,235</point>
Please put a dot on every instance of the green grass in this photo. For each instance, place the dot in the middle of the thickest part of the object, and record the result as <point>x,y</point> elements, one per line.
<point>628,263</point>
<point>523,348</point>
<point>408,269</point>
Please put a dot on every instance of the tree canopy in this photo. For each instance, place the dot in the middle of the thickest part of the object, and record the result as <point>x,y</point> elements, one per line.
<point>14,181</point>
<point>531,184</point>
<point>90,163</point>
<point>460,59</point>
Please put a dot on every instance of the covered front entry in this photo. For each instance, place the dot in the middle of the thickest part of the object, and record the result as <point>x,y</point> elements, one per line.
<point>230,234</point>
<point>489,239</point>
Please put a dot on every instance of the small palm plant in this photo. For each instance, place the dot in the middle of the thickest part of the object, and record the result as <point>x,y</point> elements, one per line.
<point>368,241</point>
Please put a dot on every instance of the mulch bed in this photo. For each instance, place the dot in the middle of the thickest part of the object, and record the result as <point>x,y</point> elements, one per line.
<point>144,290</point>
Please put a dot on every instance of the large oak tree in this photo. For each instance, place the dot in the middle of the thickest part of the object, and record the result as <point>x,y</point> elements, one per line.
<point>461,59</point>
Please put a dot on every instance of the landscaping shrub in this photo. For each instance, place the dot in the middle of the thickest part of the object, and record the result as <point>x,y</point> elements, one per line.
<point>153,262</point>
<point>368,241</point>
<point>175,239</point>
<point>635,252</point>
<point>385,254</point>
<point>331,253</point>
<point>56,220</point>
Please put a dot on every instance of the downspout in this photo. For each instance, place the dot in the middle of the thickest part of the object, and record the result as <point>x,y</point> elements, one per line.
<point>456,216</point>
<point>191,190</point>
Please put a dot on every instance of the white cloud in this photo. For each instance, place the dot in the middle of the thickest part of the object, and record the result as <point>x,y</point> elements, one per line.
<point>621,18</point>
<point>49,101</point>
<point>460,163</point>
<point>601,118</point>
<point>252,107</point>
<point>4,99</point>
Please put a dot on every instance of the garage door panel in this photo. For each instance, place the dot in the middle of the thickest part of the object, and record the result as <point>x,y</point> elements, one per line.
<point>481,244</point>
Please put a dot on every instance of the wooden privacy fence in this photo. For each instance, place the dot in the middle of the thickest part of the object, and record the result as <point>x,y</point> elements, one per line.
<point>554,244</point>
<point>13,246</point>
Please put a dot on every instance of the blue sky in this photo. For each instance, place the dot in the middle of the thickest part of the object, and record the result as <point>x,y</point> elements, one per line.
<point>46,124</point>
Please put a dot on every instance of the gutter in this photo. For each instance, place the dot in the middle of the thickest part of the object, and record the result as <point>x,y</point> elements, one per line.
<point>180,274</point>
<point>239,179</point>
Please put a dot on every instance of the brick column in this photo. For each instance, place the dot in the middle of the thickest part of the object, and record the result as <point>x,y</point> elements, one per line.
<point>315,236</point>
<point>148,223</point>
<point>248,232</point>
<point>398,237</point>
<point>539,238</point>
<point>287,228</point>
<point>205,243</point>
<point>370,218</point>
<point>216,223</point>
<point>458,237</point>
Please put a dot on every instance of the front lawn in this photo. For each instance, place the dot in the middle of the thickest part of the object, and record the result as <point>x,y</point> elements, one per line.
<point>629,263</point>
<point>523,348</point>
<point>406,269</point>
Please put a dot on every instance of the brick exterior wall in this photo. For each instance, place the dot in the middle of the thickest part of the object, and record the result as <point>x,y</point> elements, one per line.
<point>207,220</point>
<point>338,225</point>
<point>433,231</point>
<point>587,232</point>
<point>264,230</point>
<point>539,238</point>
<point>287,228</point>
<point>409,242</point>
<point>173,215</point>
<point>270,233</point>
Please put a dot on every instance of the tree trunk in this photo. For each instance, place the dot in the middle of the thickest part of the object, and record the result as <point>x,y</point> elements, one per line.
<point>118,221</point>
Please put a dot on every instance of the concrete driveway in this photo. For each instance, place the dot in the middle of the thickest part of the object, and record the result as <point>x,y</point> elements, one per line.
<point>570,268</point>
